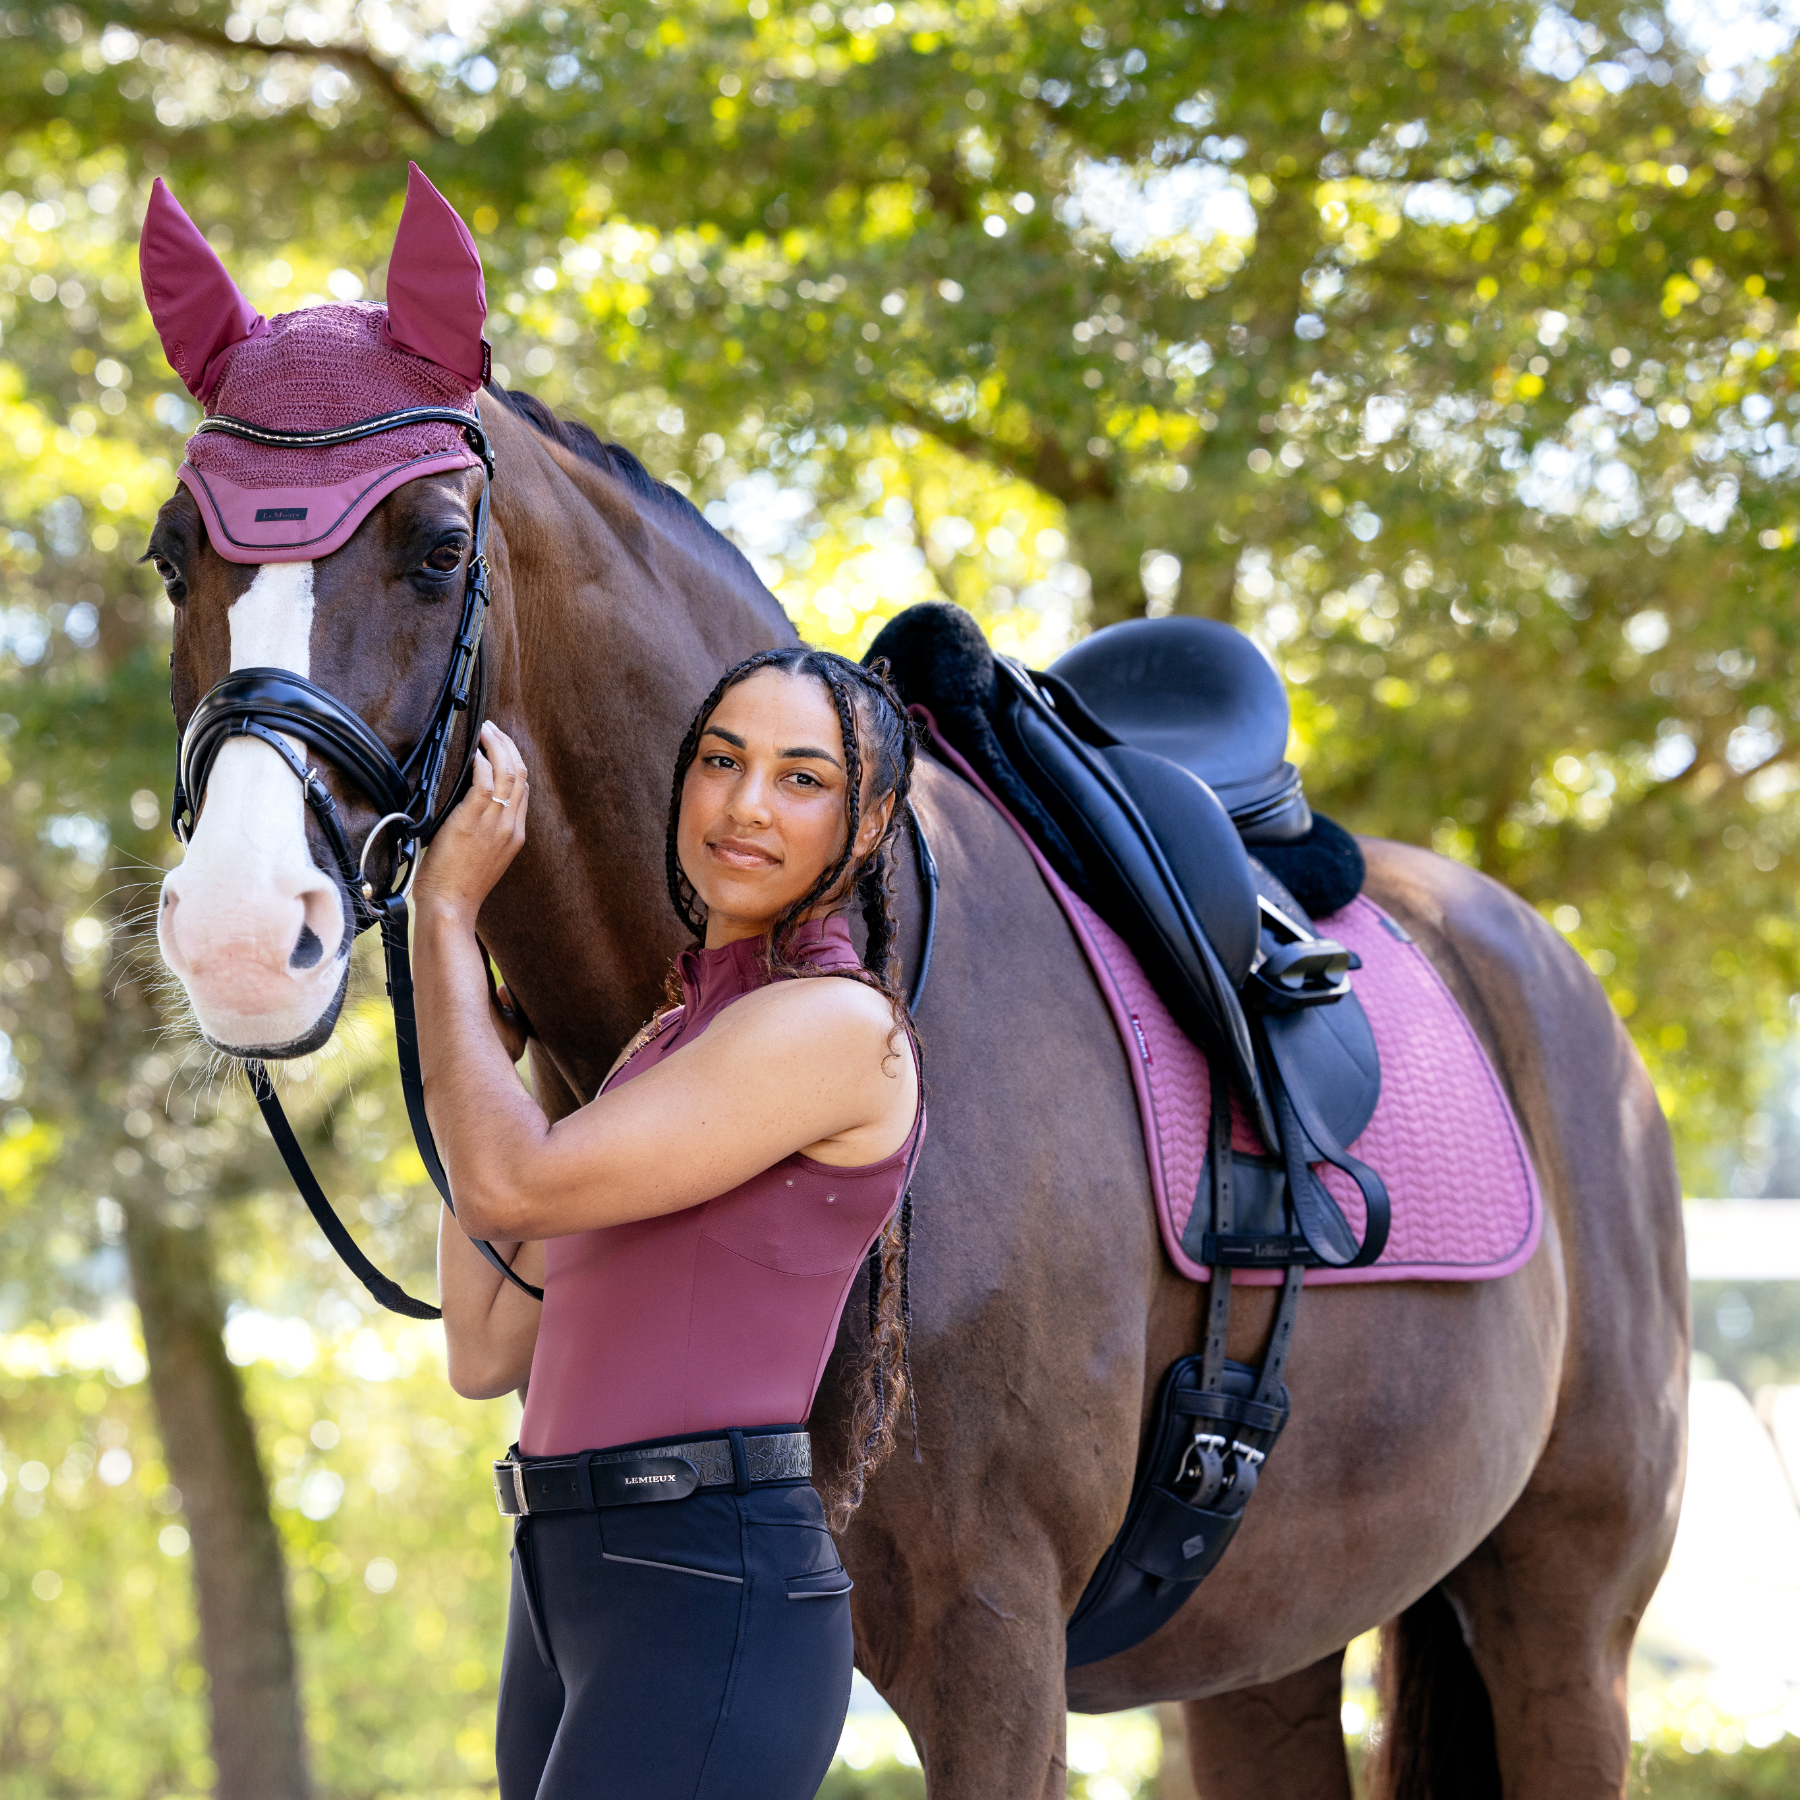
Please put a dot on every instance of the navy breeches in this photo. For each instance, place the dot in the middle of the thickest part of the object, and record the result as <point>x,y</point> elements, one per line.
<point>694,1649</point>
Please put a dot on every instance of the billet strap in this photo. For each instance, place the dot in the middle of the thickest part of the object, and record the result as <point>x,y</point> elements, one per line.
<point>1218,1298</point>
<point>1218,1486</point>
<point>1281,1338</point>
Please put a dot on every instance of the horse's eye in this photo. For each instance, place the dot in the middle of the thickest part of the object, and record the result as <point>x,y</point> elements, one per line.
<point>170,576</point>
<point>446,559</point>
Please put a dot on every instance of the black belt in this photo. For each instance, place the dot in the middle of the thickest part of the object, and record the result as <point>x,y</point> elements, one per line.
<point>595,1478</point>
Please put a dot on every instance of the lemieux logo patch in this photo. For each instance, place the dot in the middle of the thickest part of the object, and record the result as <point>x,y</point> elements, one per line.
<point>277,515</point>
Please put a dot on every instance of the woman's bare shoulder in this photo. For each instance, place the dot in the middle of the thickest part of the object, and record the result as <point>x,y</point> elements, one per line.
<point>837,1005</point>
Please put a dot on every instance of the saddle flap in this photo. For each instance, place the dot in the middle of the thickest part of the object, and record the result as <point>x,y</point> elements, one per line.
<point>1329,1053</point>
<point>1129,873</point>
<point>1203,849</point>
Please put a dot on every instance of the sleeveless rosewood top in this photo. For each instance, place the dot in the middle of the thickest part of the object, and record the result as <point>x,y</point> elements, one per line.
<point>721,1314</point>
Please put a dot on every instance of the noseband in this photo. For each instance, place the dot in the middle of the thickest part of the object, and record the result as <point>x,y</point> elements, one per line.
<point>272,705</point>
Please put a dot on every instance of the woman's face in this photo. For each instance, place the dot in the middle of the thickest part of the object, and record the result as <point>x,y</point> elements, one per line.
<point>762,805</point>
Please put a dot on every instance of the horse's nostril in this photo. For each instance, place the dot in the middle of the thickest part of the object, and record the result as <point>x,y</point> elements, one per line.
<point>308,950</point>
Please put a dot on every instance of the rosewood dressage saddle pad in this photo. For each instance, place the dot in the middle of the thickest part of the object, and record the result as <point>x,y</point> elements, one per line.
<point>1146,773</point>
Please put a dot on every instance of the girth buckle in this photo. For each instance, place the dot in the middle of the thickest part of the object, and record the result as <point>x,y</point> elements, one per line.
<point>1191,1469</point>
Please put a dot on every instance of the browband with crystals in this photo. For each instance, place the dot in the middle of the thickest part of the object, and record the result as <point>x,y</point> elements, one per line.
<point>469,424</point>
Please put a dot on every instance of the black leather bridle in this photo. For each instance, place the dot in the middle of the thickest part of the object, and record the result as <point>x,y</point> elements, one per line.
<point>272,705</point>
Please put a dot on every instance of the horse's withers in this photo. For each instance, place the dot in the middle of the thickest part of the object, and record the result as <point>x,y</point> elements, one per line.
<point>253,928</point>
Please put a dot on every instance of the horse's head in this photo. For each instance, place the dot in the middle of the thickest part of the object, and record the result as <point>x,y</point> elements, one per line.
<point>343,560</point>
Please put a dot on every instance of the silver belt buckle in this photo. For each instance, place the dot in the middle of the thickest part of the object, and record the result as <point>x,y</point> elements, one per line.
<point>518,1487</point>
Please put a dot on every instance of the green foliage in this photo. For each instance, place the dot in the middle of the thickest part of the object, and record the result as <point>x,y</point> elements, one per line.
<point>888,1782</point>
<point>1450,349</point>
<point>101,1689</point>
<point>1463,373</point>
<point>1670,1773</point>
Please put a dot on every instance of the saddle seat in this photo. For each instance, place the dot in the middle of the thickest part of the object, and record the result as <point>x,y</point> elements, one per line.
<point>1201,695</point>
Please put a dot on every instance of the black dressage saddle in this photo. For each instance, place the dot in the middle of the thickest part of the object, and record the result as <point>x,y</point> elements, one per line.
<point>1117,759</point>
<point>1202,696</point>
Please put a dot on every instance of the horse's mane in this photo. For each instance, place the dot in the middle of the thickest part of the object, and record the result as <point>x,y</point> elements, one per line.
<point>586,443</point>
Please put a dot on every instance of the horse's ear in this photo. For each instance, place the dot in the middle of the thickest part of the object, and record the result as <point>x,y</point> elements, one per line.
<point>436,299</point>
<point>198,311</point>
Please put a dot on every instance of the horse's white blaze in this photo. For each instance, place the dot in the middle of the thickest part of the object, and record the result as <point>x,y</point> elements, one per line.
<point>251,926</point>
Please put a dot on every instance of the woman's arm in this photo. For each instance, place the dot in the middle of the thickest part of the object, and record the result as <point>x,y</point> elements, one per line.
<point>490,1327</point>
<point>802,1065</point>
<point>799,1066</point>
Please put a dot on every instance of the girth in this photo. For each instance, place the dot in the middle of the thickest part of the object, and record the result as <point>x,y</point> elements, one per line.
<point>1215,1425</point>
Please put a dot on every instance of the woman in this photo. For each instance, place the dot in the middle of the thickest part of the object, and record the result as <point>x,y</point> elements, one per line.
<point>680,1619</point>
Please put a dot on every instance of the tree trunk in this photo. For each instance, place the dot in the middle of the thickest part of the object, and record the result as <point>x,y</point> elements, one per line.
<point>209,1445</point>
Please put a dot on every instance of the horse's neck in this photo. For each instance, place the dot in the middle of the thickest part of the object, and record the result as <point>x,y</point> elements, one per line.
<point>621,619</point>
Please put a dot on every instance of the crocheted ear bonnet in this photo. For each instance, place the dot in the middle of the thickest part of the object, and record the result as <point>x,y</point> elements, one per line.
<point>313,370</point>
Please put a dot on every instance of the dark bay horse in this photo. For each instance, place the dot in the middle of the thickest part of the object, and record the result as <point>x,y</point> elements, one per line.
<point>1494,1468</point>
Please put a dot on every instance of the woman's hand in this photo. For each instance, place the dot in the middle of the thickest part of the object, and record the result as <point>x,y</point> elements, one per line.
<point>478,841</point>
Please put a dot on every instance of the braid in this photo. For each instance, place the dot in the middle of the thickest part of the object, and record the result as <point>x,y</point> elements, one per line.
<point>876,888</point>
<point>878,916</point>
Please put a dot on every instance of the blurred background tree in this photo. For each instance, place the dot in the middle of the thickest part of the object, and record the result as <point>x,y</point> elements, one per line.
<point>1450,350</point>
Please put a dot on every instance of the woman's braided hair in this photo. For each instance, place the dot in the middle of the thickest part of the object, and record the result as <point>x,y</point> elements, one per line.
<point>879,740</point>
